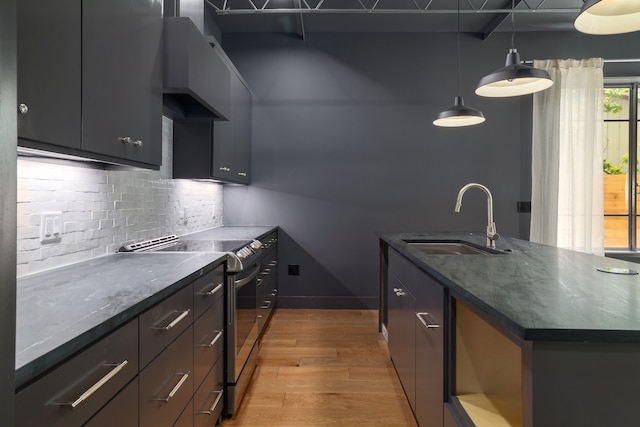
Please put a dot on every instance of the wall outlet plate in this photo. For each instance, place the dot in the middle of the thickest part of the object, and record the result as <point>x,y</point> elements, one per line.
<point>50,227</point>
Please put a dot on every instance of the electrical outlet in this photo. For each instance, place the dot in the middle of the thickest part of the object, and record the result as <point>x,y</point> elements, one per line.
<point>524,207</point>
<point>50,227</point>
<point>294,270</point>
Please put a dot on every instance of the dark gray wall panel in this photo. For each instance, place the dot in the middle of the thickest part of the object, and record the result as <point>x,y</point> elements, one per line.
<point>8,166</point>
<point>343,145</point>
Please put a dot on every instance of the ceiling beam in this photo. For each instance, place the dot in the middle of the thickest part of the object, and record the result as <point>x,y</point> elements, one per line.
<point>497,20</point>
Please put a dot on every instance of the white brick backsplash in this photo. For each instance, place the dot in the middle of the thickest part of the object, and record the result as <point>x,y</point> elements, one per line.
<point>102,208</point>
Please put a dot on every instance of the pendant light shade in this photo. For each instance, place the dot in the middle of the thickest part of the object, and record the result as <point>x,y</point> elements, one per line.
<point>514,79</point>
<point>459,115</point>
<point>608,17</point>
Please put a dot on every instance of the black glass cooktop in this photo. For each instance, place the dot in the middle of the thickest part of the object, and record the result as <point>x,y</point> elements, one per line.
<point>205,246</point>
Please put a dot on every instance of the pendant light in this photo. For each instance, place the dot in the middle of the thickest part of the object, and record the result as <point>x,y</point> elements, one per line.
<point>459,115</point>
<point>608,17</point>
<point>515,78</point>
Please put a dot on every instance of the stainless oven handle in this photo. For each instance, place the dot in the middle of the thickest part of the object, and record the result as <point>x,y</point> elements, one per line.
<point>240,283</point>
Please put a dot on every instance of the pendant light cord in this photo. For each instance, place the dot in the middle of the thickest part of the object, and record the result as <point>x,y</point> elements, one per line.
<point>513,25</point>
<point>458,31</point>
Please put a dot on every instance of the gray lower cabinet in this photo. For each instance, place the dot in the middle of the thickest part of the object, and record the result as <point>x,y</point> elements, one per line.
<point>415,326</point>
<point>166,384</point>
<point>401,330</point>
<point>429,318</point>
<point>121,411</point>
<point>89,79</point>
<point>72,393</point>
<point>162,324</point>
<point>267,288</point>
<point>146,372</point>
<point>208,399</point>
<point>208,340</point>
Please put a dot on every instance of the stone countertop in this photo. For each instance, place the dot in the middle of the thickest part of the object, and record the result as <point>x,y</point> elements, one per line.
<point>62,310</point>
<point>538,292</point>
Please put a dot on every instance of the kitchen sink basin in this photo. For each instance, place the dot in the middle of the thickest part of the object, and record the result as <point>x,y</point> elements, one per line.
<point>450,247</point>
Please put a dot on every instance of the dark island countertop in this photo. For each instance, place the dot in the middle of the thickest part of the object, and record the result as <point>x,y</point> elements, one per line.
<point>536,291</point>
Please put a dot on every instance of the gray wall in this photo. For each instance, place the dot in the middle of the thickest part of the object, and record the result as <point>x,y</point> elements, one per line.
<point>343,146</point>
<point>8,139</point>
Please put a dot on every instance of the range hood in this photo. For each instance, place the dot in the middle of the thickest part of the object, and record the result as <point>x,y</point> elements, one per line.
<point>197,81</point>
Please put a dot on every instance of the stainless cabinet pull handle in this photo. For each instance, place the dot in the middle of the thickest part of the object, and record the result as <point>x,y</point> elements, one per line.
<point>266,272</point>
<point>175,389</point>
<point>426,324</point>
<point>129,140</point>
<point>23,109</point>
<point>274,292</point>
<point>214,290</point>
<point>273,263</point>
<point>399,292</point>
<point>215,403</point>
<point>242,173</point>
<point>266,304</point>
<point>225,169</point>
<point>102,381</point>
<point>174,322</point>
<point>215,339</point>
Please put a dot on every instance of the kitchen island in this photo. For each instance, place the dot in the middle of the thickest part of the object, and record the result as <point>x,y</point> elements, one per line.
<point>532,335</point>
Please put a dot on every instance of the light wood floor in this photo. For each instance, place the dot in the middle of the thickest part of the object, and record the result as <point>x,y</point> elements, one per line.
<point>324,368</point>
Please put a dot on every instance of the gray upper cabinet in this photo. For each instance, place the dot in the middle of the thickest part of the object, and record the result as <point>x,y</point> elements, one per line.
<point>89,76</point>
<point>49,73</point>
<point>213,149</point>
<point>122,81</point>
<point>232,139</point>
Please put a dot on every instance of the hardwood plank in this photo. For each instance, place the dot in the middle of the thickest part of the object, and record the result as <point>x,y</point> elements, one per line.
<point>324,368</point>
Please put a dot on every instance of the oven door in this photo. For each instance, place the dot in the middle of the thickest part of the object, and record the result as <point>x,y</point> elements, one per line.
<point>243,319</point>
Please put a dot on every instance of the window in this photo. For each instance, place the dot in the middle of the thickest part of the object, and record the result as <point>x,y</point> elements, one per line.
<point>621,181</point>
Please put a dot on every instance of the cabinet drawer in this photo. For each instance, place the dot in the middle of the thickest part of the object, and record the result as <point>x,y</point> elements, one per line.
<point>166,385</point>
<point>121,411</point>
<point>209,398</point>
<point>404,270</point>
<point>208,339</point>
<point>186,418</point>
<point>161,324</point>
<point>73,392</point>
<point>208,289</point>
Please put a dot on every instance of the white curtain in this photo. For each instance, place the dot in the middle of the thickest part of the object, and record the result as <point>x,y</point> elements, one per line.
<point>567,195</point>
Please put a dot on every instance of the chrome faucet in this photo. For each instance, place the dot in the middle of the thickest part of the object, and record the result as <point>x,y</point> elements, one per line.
<point>492,234</point>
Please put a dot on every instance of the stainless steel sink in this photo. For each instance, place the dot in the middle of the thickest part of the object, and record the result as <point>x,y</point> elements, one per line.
<point>453,247</point>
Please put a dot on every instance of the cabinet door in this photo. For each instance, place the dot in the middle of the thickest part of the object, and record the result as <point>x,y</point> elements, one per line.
<point>118,48</point>
<point>401,330</point>
<point>49,72</point>
<point>429,351</point>
<point>72,393</point>
<point>166,385</point>
<point>208,400</point>
<point>223,140</point>
<point>162,323</point>
<point>242,151</point>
